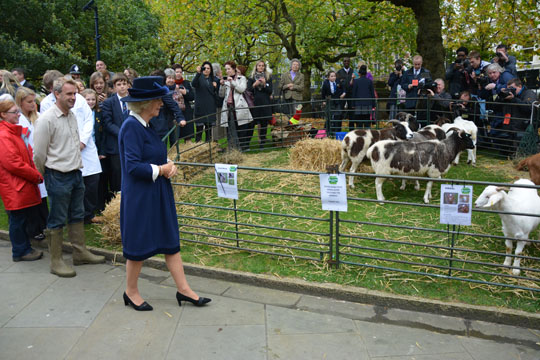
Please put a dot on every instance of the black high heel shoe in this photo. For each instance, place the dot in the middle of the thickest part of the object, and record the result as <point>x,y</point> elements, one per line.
<point>143,307</point>
<point>200,302</point>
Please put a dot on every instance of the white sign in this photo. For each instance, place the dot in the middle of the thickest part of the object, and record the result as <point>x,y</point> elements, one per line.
<point>456,204</point>
<point>227,181</point>
<point>333,192</point>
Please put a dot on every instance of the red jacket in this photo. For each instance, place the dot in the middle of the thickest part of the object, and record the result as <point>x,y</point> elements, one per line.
<point>18,174</point>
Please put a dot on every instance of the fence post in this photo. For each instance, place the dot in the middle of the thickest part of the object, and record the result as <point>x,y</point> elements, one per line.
<point>236,222</point>
<point>337,240</point>
<point>428,115</point>
<point>452,249</point>
<point>328,114</point>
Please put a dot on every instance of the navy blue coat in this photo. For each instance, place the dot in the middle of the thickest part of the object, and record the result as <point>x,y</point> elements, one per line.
<point>412,94</point>
<point>112,119</point>
<point>363,88</point>
<point>148,221</point>
<point>326,92</point>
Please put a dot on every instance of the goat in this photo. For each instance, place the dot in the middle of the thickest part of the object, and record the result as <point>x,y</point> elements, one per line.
<point>430,132</point>
<point>533,164</point>
<point>520,200</point>
<point>356,143</point>
<point>427,158</point>
<point>470,128</point>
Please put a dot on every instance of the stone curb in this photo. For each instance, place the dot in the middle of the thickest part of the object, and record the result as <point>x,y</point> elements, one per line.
<point>341,292</point>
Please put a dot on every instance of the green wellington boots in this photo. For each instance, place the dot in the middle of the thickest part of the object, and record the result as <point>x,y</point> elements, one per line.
<point>58,266</point>
<point>81,255</point>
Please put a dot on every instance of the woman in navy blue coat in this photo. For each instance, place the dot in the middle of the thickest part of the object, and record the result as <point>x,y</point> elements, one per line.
<point>364,94</point>
<point>148,221</point>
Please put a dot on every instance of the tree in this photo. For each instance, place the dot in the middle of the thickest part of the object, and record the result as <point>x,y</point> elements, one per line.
<point>64,35</point>
<point>482,25</point>
<point>429,41</point>
<point>317,33</point>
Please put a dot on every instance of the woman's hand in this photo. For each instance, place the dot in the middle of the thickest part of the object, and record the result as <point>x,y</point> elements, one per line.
<point>183,123</point>
<point>490,86</point>
<point>168,170</point>
<point>102,97</point>
<point>199,69</point>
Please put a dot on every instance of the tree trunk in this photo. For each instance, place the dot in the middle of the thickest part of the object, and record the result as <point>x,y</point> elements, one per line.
<point>429,42</point>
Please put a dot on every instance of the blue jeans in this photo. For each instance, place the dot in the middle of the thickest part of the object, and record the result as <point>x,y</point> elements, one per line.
<point>66,197</point>
<point>20,245</point>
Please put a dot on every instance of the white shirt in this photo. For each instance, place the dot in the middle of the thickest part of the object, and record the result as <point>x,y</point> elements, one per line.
<point>23,121</point>
<point>85,123</point>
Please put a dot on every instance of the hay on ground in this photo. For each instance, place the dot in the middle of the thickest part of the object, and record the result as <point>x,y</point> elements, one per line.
<point>198,152</point>
<point>315,154</point>
<point>110,228</point>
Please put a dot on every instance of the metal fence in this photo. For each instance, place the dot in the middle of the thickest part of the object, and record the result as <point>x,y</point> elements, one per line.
<point>401,236</point>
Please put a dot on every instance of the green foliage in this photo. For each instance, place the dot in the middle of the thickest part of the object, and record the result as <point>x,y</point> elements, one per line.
<point>42,35</point>
<point>482,25</point>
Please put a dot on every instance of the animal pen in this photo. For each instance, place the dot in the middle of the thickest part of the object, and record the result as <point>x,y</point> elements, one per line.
<point>279,214</point>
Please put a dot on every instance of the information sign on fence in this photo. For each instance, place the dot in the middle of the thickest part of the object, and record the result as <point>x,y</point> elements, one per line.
<point>456,204</point>
<point>226,180</point>
<point>333,192</point>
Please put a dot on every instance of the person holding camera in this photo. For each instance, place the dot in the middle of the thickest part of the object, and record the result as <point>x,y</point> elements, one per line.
<point>456,73</point>
<point>393,82</point>
<point>506,61</point>
<point>518,100</point>
<point>184,96</point>
<point>440,100</point>
<point>206,87</point>
<point>260,85</point>
<point>477,78</point>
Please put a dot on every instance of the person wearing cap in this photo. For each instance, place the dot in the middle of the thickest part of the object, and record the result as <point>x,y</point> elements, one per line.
<point>75,72</point>
<point>148,220</point>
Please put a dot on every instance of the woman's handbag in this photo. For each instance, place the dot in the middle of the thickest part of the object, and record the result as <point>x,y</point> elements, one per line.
<point>248,96</point>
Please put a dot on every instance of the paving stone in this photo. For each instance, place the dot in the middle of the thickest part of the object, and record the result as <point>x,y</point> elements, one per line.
<point>223,311</point>
<point>42,265</point>
<point>19,290</point>
<point>69,302</point>
<point>433,321</point>
<point>391,340</point>
<point>262,295</point>
<point>120,332</point>
<point>491,350</point>
<point>336,307</point>
<point>336,346</point>
<point>281,321</point>
<point>219,342</point>
<point>41,343</point>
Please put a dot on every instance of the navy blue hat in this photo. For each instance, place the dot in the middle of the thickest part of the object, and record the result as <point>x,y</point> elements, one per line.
<point>146,88</point>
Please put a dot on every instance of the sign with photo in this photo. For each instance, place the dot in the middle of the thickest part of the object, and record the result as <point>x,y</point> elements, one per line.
<point>456,204</point>
<point>227,181</point>
<point>333,192</point>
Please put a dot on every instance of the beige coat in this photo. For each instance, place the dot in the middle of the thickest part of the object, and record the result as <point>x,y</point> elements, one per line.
<point>243,115</point>
<point>298,86</point>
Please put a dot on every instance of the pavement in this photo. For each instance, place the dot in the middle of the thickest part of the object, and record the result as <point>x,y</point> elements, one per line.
<point>43,316</point>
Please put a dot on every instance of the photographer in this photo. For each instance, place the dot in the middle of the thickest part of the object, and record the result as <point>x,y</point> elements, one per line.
<point>506,61</point>
<point>440,104</point>
<point>393,82</point>
<point>518,101</point>
<point>476,78</point>
<point>456,72</point>
<point>467,109</point>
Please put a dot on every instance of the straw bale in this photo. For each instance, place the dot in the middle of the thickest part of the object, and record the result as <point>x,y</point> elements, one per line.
<point>317,123</point>
<point>315,154</point>
<point>109,229</point>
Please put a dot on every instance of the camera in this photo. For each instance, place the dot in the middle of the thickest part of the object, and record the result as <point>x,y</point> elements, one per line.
<point>426,85</point>
<point>399,67</point>
<point>482,80</point>
<point>506,92</point>
<point>258,76</point>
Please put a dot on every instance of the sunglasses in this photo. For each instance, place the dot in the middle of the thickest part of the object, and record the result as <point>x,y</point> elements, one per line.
<point>13,112</point>
<point>206,68</point>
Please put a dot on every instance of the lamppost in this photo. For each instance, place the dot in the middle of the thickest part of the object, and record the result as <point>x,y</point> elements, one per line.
<point>91,6</point>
